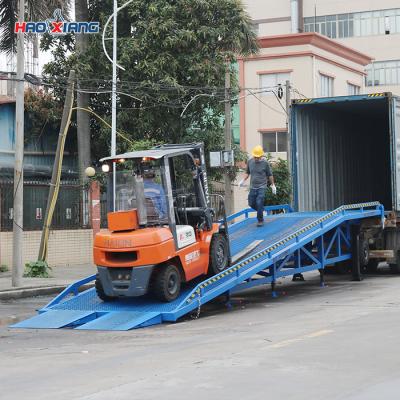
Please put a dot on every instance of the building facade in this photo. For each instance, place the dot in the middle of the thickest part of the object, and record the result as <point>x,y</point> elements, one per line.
<point>314,66</point>
<point>368,26</point>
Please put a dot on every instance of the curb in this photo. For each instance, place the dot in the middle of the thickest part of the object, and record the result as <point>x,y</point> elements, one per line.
<point>20,293</point>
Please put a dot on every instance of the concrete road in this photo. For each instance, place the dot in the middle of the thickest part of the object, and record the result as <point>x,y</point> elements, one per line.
<point>339,342</point>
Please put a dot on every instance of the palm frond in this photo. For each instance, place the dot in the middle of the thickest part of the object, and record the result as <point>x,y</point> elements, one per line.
<point>8,16</point>
<point>35,10</point>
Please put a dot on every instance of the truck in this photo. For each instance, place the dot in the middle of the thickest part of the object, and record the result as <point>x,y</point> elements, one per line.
<point>345,150</point>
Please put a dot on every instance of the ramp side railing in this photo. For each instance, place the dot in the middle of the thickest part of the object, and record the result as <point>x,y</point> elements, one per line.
<point>200,289</point>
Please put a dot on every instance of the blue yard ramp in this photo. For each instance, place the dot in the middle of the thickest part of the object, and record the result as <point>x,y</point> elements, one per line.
<point>280,248</point>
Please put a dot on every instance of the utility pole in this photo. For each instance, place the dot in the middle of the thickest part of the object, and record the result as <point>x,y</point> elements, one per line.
<point>228,139</point>
<point>114,99</point>
<point>18,206</point>
<point>54,185</point>
<point>289,147</point>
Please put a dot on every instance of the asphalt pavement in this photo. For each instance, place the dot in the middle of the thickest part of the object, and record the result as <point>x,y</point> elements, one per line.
<point>340,342</point>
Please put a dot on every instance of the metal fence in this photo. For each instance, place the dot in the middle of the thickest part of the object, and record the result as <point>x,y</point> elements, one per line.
<point>71,212</point>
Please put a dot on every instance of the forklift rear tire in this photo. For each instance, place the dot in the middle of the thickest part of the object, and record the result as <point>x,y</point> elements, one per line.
<point>100,290</point>
<point>167,283</point>
<point>218,254</point>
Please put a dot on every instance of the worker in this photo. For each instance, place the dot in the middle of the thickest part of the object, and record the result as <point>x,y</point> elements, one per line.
<point>261,174</point>
<point>155,192</point>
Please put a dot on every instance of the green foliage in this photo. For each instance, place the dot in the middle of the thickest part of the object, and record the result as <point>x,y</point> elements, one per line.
<point>214,140</point>
<point>3,268</point>
<point>172,51</point>
<point>42,113</point>
<point>143,144</point>
<point>283,184</point>
<point>37,269</point>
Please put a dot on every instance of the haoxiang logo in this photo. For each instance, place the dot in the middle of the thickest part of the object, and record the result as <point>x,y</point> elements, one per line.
<point>57,26</point>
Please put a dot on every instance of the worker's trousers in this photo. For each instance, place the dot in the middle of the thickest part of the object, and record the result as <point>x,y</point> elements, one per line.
<point>256,201</point>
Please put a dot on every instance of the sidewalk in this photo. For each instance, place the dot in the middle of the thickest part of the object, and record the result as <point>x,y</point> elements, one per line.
<point>61,277</point>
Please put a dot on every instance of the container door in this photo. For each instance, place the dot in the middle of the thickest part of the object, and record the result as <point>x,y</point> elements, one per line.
<point>396,165</point>
<point>293,157</point>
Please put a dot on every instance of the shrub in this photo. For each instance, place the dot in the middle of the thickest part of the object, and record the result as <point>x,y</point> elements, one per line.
<point>283,184</point>
<point>37,269</point>
<point>3,268</point>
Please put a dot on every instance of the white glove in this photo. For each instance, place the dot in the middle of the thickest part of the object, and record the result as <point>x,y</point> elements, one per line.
<point>273,188</point>
<point>241,183</point>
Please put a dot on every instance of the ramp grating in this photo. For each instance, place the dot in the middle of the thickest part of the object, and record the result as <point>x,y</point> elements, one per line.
<point>122,321</point>
<point>56,319</point>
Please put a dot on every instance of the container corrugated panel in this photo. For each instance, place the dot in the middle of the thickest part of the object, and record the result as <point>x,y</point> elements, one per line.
<point>342,152</point>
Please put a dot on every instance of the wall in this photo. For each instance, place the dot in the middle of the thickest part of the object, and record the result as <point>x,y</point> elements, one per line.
<point>276,28</point>
<point>266,113</point>
<point>341,76</point>
<point>66,247</point>
<point>262,9</point>
<point>381,47</point>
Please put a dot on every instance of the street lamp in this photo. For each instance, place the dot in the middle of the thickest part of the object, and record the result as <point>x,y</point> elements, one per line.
<point>113,17</point>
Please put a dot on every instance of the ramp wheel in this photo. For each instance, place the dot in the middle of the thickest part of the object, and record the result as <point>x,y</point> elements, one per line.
<point>364,252</point>
<point>372,266</point>
<point>100,290</point>
<point>394,268</point>
<point>167,283</point>
<point>218,254</point>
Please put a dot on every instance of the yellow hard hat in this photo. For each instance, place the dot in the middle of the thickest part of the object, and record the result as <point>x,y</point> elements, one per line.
<point>258,151</point>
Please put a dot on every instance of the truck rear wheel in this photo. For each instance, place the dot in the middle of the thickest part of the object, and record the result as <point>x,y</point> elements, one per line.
<point>364,252</point>
<point>100,290</point>
<point>372,266</point>
<point>167,283</point>
<point>218,254</point>
<point>395,268</point>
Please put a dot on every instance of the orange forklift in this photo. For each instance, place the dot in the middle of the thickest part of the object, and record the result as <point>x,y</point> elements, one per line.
<point>162,231</point>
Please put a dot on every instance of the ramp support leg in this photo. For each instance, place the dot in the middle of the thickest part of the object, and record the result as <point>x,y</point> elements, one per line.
<point>321,277</point>
<point>273,293</point>
<point>228,302</point>
<point>355,251</point>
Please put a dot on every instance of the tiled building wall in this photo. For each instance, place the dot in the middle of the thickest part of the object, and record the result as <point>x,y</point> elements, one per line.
<point>66,247</point>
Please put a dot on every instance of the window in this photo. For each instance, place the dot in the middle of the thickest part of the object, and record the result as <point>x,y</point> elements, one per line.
<point>270,81</point>
<point>353,89</point>
<point>345,25</point>
<point>274,141</point>
<point>366,23</point>
<point>383,73</point>
<point>326,89</point>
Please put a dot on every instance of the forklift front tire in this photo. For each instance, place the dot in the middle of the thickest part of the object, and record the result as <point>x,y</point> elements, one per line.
<point>218,254</point>
<point>100,290</point>
<point>167,283</point>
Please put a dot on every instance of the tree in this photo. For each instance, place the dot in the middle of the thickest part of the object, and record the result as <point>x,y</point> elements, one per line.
<point>281,174</point>
<point>172,51</point>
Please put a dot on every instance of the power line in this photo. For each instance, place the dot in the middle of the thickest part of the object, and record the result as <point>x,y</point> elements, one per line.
<point>265,104</point>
